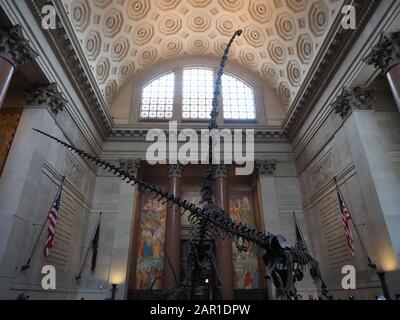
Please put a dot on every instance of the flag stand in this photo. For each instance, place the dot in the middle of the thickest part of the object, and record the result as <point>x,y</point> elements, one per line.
<point>79,276</point>
<point>370,263</point>
<point>28,263</point>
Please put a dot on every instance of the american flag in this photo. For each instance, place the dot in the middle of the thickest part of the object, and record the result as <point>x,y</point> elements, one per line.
<point>52,222</point>
<point>346,217</point>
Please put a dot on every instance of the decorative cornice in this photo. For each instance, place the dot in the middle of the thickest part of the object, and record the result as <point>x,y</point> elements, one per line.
<point>131,166</point>
<point>48,96</point>
<point>139,135</point>
<point>265,167</point>
<point>386,54</point>
<point>14,47</point>
<point>331,58</point>
<point>175,171</point>
<point>352,99</point>
<point>74,64</point>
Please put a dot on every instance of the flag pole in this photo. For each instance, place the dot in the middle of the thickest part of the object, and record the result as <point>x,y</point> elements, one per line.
<point>370,263</point>
<point>78,277</point>
<point>28,263</point>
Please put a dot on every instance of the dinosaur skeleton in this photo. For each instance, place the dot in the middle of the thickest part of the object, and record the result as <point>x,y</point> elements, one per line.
<point>285,263</point>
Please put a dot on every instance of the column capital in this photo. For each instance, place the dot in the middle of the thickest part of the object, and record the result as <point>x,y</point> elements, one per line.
<point>386,54</point>
<point>175,170</point>
<point>221,171</point>
<point>130,166</point>
<point>14,47</point>
<point>47,96</point>
<point>265,167</point>
<point>352,99</point>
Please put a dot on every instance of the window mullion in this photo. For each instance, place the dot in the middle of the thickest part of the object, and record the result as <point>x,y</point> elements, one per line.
<point>178,96</point>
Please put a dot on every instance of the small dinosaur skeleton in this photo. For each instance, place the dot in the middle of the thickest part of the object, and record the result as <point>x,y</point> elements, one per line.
<point>285,263</point>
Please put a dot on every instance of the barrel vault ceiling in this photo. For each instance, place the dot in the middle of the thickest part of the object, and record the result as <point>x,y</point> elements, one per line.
<point>280,42</point>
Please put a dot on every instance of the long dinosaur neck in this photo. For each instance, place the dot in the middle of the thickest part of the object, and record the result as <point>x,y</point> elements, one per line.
<point>207,190</point>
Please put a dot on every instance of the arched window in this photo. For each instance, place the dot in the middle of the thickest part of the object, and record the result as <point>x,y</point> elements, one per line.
<point>238,99</point>
<point>194,87</point>
<point>197,93</point>
<point>158,98</point>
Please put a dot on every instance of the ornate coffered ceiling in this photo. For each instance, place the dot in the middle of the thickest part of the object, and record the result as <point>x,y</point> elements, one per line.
<point>281,37</point>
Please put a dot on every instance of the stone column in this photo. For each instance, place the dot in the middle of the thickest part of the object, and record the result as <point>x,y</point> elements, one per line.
<point>123,226</point>
<point>351,99</point>
<point>14,50</point>
<point>172,266</point>
<point>223,249</point>
<point>386,56</point>
<point>264,170</point>
<point>267,194</point>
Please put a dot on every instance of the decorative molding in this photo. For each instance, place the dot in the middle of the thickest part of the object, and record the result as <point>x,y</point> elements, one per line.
<point>48,96</point>
<point>386,54</point>
<point>14,47</point>
<point>72,58</point>
<point>265,167</point>
<point>353,99</point>
<point>328,61</point>
<point>175,171</point>
<point>221,171</point>
<point>138,135</point>
<point>131,166</point>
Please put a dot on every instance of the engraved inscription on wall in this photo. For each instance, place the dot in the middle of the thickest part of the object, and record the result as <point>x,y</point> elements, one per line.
<point>321,174</point>
<point>332,231</point>
<point>75,174</point>
<point>321,138</point>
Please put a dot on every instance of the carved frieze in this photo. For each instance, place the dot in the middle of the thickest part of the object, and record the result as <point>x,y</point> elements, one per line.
<point>75,174</point>
<point>14,47</point>
<point>321,173</point>
<point>353,99</point>
<point>48,96</point>
<point>386,54</point>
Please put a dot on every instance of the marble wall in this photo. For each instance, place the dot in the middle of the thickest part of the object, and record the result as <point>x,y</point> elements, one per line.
<point>28,186</point>
<point>361,153</point>
<point>280,197</point>
<point>116,200</point>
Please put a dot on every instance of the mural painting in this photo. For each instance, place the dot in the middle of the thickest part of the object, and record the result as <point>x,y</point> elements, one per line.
<point>241,208</point>
<point>150,261</point>
<point>9,120</point>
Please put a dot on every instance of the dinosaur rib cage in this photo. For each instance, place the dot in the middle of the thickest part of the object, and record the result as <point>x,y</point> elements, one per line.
<point>303,257</point>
